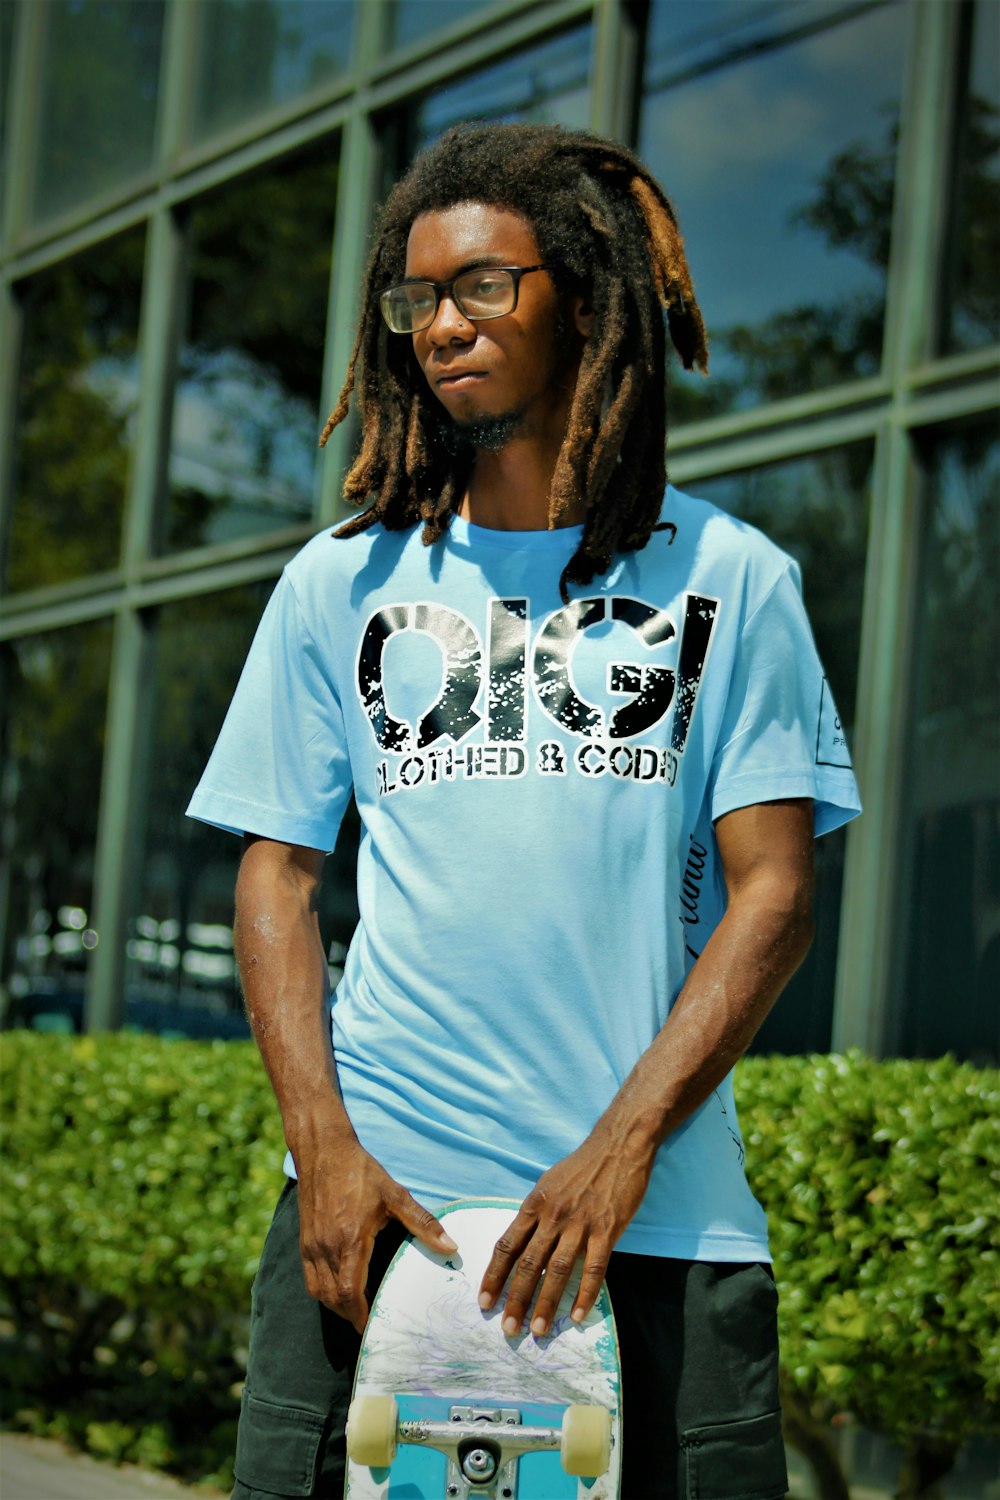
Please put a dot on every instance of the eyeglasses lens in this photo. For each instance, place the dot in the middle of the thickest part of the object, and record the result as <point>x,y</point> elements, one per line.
<point>478,294</point>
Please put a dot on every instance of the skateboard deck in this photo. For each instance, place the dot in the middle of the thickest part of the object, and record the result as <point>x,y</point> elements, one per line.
<point>445,1405</point>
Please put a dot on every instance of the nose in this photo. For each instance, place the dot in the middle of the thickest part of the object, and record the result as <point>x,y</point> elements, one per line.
<point>450,326</point>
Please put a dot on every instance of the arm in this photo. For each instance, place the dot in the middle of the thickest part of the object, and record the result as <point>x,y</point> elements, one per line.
<point>584,1203</point>
<point>345,1197</point>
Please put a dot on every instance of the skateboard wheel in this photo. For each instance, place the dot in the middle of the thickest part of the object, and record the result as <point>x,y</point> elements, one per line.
<point>372,1424</point>
<point>585,1449</point>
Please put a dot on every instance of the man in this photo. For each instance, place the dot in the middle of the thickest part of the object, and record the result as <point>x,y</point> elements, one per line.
<point>590,743</point>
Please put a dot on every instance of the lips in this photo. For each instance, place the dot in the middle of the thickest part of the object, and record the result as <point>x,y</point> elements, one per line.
<point>454,380</point>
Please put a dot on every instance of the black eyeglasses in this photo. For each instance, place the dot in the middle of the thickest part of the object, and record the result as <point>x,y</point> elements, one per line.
<point>487,292</point>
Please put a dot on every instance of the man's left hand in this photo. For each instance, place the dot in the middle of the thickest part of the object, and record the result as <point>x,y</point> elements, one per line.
<point>576,1211</point>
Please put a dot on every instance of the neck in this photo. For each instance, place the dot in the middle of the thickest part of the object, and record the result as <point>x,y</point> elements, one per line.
<point>509,490</point>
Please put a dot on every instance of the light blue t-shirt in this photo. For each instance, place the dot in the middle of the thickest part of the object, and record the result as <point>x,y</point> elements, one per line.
<point>537,785</point>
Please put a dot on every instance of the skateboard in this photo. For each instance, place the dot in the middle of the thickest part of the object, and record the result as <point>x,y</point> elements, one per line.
<point>446,1407</point>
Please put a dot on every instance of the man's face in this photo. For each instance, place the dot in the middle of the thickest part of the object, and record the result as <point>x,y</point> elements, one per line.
<point>509,375</point>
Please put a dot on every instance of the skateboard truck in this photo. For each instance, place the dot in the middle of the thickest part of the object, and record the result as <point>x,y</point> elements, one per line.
<point>481,1443</point>
<point>483,1465</point>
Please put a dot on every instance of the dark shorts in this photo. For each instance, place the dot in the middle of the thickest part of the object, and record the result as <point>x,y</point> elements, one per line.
<point>699,1373</point>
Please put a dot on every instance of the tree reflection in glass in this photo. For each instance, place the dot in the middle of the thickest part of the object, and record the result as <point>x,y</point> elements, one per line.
<point>774,129</point>
<point>816,508</point>
<point>54,692</point>
<point>246,407</point>
<point>546,84</point>
<point>973,301</point>
<point>99,98</point>
<point>78,395</point>
<point>413,19</point>
<point>257,54</point>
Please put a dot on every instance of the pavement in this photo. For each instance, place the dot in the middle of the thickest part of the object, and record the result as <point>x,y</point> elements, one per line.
<point>37,1469</point>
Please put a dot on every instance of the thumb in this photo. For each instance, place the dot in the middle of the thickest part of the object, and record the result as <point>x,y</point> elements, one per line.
<point>422,1224</point>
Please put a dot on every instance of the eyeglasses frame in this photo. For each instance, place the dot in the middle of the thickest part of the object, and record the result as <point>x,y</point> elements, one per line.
<point>447,288</point>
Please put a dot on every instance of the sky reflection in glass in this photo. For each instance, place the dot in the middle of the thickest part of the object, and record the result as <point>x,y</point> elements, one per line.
<point>772,127</point>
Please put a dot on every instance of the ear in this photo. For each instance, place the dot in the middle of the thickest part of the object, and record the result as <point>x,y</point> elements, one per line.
<point>583,316</point>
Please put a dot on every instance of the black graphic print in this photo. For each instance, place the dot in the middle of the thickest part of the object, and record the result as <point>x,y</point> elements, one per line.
<point>699,621</point>
<point>440,705</point>
<point>452,714</point>
<point>508,645</point>
<point>392,734</point>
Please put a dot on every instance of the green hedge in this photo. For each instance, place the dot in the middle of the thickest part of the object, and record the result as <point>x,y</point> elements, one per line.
<point>138,1179</point>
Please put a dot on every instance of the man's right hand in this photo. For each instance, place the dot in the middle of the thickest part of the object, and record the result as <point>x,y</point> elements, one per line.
<point>344,1201</point>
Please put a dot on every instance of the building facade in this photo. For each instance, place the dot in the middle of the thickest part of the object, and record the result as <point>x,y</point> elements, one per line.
<point>187,195</point>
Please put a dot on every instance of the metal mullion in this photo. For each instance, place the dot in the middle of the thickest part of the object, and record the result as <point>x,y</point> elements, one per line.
<point>616,88</point>
<point>161,297</point>
<point>80,232</point>
<point>359,172</point>
<point>476,23</point>
<point>119,821</point>
<point>951,402</point>
<point>190,179</point>
<point>954,368</point>
<point>864,981</point>
<point>869,916</point>
<point>59,614</point>
<point>919,231</point>
<point>772,445</point>
<point>70,589</point>
<point>147,593</point>
<point>178,70</point>
<point>11,321</point>
<point>157,591</point>
<point>221,554</point>
<point>795,411</point>
<point>24,109</point>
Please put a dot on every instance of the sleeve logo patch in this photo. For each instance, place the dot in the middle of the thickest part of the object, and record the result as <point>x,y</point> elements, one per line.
<point>831,740</point>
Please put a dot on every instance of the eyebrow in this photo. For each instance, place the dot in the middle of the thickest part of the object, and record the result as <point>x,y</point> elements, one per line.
<point>473,264</point>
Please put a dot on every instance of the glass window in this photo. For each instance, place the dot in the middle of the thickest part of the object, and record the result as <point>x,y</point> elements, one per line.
<point>974,294</point>
<point>258,54</point>
<point>773,128</point>
<point>98,114</point>
<point>413,19</point>
<point>246,409</point>
<point>548,83</point>
<point>951,972</point>
<point>816,508</point>
<point>78,395</point>
<point>54,692</point>
<point>180,970</point>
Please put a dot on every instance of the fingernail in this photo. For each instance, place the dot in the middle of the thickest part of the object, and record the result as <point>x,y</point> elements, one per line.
<point>448,1243</point>
<point>578,1315</point>
<point>510,1326</point>
<point>539,1327</point>
<point>485,1301</point>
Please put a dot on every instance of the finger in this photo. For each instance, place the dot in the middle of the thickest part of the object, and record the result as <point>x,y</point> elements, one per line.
<point>532,1262</point>
<point>505,1253</point>
<point>595,1268</point>
<point>338,1281</point>
<point>558,1270</point>
<point>344,1295</point>
<point>421,1224</point>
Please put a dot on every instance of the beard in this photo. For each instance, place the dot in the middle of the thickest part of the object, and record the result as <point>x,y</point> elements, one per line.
<point>480,435</point>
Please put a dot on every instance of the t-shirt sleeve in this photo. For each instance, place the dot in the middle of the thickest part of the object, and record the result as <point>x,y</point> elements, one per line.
<point>280,766</point>
<point>781,733</point>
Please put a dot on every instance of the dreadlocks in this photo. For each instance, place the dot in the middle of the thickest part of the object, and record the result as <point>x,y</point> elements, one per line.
<point>607,229</point>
